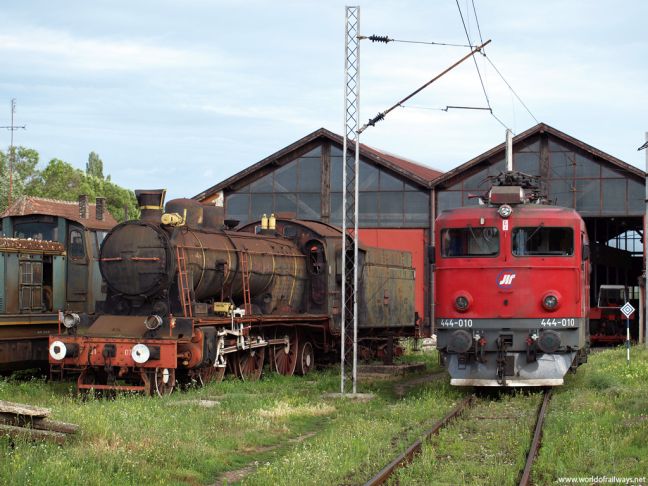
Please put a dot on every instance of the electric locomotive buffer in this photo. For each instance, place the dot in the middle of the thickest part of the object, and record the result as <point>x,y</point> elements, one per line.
<point>512,292</point>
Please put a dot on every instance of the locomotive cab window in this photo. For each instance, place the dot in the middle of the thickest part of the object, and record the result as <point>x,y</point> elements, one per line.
<point>543,241</point>
<point>469,242</point>
<point>75,249</point>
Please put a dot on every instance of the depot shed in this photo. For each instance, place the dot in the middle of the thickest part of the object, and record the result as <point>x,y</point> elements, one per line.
<point>304,180</point>
<point>608,193</point>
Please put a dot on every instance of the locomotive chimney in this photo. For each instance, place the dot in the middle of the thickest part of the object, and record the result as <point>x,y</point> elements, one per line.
<point>84,207</point>
<point>151,203</point>
<point>100,208</point>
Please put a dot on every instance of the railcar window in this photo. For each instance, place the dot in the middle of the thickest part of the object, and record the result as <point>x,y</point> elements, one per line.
<point>36,231</point>
<point>543,241</point>
<point>469,242</point>
<point>75,249</point>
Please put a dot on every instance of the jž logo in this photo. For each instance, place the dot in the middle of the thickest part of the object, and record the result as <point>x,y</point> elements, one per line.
<point>505,279</point>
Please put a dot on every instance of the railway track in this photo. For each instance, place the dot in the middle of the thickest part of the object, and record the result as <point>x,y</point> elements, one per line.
<point>464,409</point>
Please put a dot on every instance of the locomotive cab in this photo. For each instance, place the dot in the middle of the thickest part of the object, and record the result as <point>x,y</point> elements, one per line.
<point>512,286</point>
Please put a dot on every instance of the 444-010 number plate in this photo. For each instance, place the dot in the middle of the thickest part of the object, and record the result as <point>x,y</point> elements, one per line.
<point>509,322</point>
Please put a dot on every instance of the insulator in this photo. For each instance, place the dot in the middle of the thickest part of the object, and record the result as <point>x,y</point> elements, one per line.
<point>376,119</point>
<point>379,38</point>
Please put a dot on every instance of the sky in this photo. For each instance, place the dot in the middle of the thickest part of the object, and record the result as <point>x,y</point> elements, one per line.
<point>183,94</point>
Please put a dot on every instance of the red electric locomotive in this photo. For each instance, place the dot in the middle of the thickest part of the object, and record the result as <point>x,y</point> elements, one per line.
<point>512,288</point>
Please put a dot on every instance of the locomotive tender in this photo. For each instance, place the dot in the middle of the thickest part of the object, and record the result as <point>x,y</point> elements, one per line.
<point>188,296</point>
<point>512,288</point>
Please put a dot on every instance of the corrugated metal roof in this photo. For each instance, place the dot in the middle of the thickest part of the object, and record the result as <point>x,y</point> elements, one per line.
<point>537,129</point>
<point>410,170</point>
<point>422,171</point>
<point>30,205</point>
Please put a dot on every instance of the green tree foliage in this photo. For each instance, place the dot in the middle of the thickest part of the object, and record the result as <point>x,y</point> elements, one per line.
<point>24,170</point>
<point>94,167</point>
<point>59,180</point>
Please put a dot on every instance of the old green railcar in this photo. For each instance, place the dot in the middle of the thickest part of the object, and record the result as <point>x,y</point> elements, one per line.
<point>48,263</point>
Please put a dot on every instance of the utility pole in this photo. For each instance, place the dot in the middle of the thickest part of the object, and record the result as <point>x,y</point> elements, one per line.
<point>349,317</point>
<point>12,150</point>
<point>645,247</point>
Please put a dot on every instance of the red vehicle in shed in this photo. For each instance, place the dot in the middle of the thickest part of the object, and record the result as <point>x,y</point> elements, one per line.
<point>512,289</point>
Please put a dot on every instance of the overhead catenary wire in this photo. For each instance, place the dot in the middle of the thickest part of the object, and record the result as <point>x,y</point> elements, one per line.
<point>491,63</point>
<point>383,39</point>
<point>481,81</point>
<point>511,88</point>
<point>449,107</point>
<point>477,22</point>
<point>380,116</point>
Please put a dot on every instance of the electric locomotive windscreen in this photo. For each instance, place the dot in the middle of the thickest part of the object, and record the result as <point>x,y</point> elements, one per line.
<point>543,241</point>
<point>469,242</point>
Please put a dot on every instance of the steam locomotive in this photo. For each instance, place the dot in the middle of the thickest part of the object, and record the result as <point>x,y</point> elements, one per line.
<point>512,288</point>
<point>188,296</point>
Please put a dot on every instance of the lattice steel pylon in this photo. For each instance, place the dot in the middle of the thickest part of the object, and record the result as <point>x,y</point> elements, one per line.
<point>349,317</point>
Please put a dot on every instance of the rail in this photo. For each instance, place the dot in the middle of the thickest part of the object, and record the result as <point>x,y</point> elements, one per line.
<point>537,438</point>
<point>408,456</point>
<point>413,450</point>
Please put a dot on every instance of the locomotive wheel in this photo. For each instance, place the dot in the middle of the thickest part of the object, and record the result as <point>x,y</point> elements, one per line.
<point>285,357</point>
<point>210,374</point>
<point>248,365</point>
<point>305,358</point>
<point>162,381</point>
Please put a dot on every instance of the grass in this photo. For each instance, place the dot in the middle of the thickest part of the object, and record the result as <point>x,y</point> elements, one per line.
<point>281,430</point>
<point>598,424</point>
<point>486,445</point>
<point>134,439</point>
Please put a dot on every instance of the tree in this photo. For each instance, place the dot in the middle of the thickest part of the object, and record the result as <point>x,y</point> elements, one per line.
<point>59,180</point>
<point>94,167</point>
<point>24,171</point>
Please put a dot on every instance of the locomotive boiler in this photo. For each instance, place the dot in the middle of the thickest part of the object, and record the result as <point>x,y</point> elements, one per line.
<point>189,297</point>
<point>512,280</point>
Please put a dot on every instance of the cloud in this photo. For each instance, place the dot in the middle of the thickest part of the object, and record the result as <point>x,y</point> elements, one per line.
<point>62,51</point>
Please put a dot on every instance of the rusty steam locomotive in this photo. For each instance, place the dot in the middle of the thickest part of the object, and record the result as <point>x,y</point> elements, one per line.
<point>189,296</point>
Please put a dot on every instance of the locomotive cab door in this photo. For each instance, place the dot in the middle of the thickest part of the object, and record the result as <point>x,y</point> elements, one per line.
<point>318,275</point>
<point>77,269</point>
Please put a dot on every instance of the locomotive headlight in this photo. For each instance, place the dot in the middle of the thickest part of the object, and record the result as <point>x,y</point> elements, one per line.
<point>58,350</point>
<point>152,322</point>
<point>140,353</point>
<point>551,301</point>
<point>461,303</point>
<point>505,210</point>
<point>71,320</point>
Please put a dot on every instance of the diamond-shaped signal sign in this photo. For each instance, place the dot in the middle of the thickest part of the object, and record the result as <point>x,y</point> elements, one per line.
<point>627,309</point>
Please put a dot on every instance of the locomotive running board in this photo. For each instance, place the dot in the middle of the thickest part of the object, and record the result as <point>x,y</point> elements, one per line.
<point>509,382</point>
